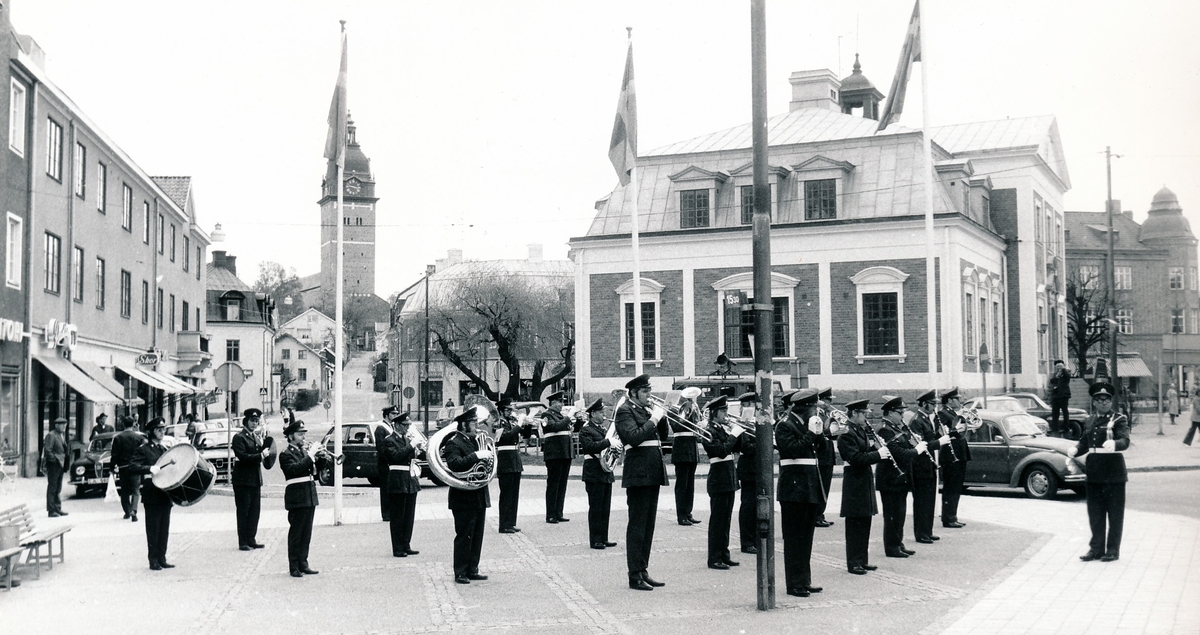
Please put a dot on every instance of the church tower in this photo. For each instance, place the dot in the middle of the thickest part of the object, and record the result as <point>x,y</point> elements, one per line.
<point>358,221</point>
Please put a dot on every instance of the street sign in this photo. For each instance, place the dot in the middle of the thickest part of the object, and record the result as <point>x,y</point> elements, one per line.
<point>229,376</point>
<point>409,392</point>
<point>263,391</point>
<point>328,404</point>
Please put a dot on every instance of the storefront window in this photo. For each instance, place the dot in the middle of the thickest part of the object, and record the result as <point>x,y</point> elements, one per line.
<point>10,410</point>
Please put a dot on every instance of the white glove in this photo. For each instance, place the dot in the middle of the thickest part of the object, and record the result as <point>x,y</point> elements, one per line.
<point>1110,445</point>
<point>960,428</point>
<point>483,455</point>
<point>266,452</point>
<point>615,443</point>
<point>736,431</point>
<point>815,425</point>
<point>657,413</point>
<point>154,469</point>
<point>885,453</point>
<point>944,440</point>
<point>921,447</point>
<point>1072,451</point>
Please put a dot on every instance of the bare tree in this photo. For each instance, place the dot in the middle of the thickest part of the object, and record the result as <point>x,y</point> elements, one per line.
<point>280,282</point>
<point>1087,319</point>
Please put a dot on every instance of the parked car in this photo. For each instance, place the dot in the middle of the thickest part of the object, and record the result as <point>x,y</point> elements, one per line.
<point>214,447</point>
<point>1035,406</point>
<point>361,459</point>
<point>1007,403</point>
<point>714,386</point>
<point>89,472</point>
<point>1008,449</point>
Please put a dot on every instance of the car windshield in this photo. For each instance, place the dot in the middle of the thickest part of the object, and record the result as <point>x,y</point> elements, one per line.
<point>101,445</point>
<point>1006,404</point>
<point>212,439</point>
<point>1020,425</point>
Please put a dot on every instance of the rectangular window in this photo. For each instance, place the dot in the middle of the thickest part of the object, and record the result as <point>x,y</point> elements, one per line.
<point>286,353</point>
<point>126,294</point>
<point>301,354</point>
<point>431,393</point>
<point>233,310</point>
<point>233,350</point>
<point>983,325</point>
<point>172,313</point>
<point>184,315</point>
<point>159,309</point>
<point>1089,276</point>
<point>739,326</point>
<point>997,353</point>
<point>1123,277</point>
<point>14,245</point>
<point>1192,278</point>
<point>199,261</point>
<point>187,253</point>
<point>16,117</point>
<point>100,275</point>
<point>77,274</point>
<point>693,209</point>
<point>969,324</point>
<point>820,199</point>
<point>80,170</point>
<point>146,222</point>
<point>1176,278</point>
<point>127,207</point>
<point>172,242</point>
<point>145,302</point>
<point>881,324</point>
<point>53,252</point>
<point>302,374</point>
<point>1125,321</point>
<point>1176,320</point>
<point>747,192</point>
<point>649,346</point>
<point>162,232</point>
<point>102,194</point>
<point>1194,321</point>
<point>54,150</point>
<point>781,326</point>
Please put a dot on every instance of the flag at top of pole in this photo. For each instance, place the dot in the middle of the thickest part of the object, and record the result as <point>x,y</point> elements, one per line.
<point>909,54</point>
<point>335,142</point>
<point>622,149</point>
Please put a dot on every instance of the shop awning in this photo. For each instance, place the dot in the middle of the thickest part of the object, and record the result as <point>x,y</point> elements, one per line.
<point>106,380</point>
<point>75,378</point>
<point>150,380</point>
<point>1132,367</point>
<point>183,387</point>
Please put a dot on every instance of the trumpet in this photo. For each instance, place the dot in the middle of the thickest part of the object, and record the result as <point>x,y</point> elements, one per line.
<point>839,423</point>
<point>748,427</point>
<point>317,452</point>
<point>674,416</point>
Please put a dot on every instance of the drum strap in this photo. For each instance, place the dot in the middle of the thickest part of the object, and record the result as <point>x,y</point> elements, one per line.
<point>302,479</point>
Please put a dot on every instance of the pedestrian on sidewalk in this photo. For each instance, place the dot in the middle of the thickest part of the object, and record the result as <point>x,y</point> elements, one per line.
<point>684,456</point>
<point>101,426</point>
<point>124,446</point>
<point>799,490</point>
<point>598,479</point>
<point>892,483</point>
<point>469,507</point>
<point>826,457</point>
<point>1191,433</point>
<point>54,460</point>
<point>747,473</point>
<point>924,469</point>
<point>382,431</point>
<point>402,485</point>
<point>1060,397</point>
<point>722,482</point>
<point>1172,403</point>
<point>1105,436</point>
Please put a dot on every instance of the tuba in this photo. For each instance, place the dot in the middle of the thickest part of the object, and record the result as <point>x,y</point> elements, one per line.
<point>480,475</point>
<point>970,417</point>
<point>610,456</point>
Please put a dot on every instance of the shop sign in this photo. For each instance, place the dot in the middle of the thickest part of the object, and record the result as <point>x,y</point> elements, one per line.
<point>151,357</point>
<point>11,330</point>
<point>61,334</point>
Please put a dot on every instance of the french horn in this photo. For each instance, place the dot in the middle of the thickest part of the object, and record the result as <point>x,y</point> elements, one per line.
<point>480,474</point>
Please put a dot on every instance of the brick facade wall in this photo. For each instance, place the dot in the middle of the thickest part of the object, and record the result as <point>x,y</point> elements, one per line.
<point>845,318</point>
<point>606,315</point>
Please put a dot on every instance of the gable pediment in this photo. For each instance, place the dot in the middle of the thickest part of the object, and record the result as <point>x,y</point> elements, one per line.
<point>820,162</point>
<point>747,170</point>
<point>693,173</point>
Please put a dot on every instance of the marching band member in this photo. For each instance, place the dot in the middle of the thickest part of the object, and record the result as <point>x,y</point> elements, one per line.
<point>299,496</point>
<point>799,491</point>
<point>924,470</point>
<point>252,452</point>
<point>643,474</point>
<point>892,479</point>
<point>155,502</point>
<point>953,458</point>
<point>825,454</point>
<point>722,483</point>
<point>597,480</point>
<point>382,431</point>
<point>1105,436</point>
<point>508,466</point>
<point>747,474</point>
<point>858,484</point>
<point>469,507</point>
<point>402,485</point>
<point>684,457</point>
<point>556,452</point>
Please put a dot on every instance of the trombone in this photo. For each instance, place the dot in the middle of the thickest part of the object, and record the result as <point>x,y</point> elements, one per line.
<point>747,427</point>
<point>674,416</point>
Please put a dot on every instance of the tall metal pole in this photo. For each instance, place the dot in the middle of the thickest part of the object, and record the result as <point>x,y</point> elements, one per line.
<point>1112,294</point>
<point>429,269</point>
<point>763,309</point>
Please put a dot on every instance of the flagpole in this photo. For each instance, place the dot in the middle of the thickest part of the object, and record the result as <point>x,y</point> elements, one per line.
<point>637,266</point>
<point>930,279</point>
<point>339,338</point>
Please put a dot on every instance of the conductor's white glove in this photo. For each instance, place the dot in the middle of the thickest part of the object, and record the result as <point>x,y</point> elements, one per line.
<point>1110,445</point>
<point>944,440</point>
<point>154,469</point>
<point>615,443</point>
<point>885,453</point>
<point>657,413</point>
<point>921,447</point>
<point>483,455</point>
<point>1072,451</point>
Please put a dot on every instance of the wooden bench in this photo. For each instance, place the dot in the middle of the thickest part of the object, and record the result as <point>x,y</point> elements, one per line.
<point>31,541</point>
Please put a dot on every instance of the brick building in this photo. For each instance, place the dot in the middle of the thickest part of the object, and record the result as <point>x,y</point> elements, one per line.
<point>848,252</point>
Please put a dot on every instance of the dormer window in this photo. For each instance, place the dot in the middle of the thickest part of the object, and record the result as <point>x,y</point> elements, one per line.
<point>820,199</point>
<point>696,190</point>
<point>693,209</point>
<point>824,182</point>
<point>233,309</point>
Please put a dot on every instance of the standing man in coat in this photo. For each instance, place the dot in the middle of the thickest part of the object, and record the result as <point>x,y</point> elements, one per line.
<point>54,458</point>
<point>747,474</point>
<point>124,446</point>
<point>469,507</point>
<point>825,454</point>
<point>508,466</point>
<point>593,441</point>
<point>102,426</point>
<point>722,482</point>
<point>858,449</point>
<point>924,471</point>
<point>642,429</point>
<point>799,491</point>
<point>893,479</point>
<point>402,485</point>
<point>556,452</point>
<point>684,456</point>
<point>155,501</point>
<point>299,496</point>
<point>1060,397</point>
<point>251,452</point>
<point>1105,437</point>
<point>381,434</point>
<point>954,457</point>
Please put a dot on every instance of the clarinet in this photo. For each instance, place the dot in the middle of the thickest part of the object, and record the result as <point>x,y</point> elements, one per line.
<point>953,454</point>
<point>879,442</point>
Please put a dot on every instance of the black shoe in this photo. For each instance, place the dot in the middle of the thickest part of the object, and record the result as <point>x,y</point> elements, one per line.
<point>133,518</point>
<point>652,581</point>
<point>732,563</point>
<point>718,565</point>
<point>476,576</point>
<point>814,589</point>
<point>508,530</point>
<point>552,521</point>
<point>156,567</point>
<point>56,514</point>
<point>597,545</point>
<point>953,525</point>
<point>515,530</point>
<point>640,585</point>
<point>609,544</point>
<point>255,545</point>
<point>563,520</point>
<point>925,541</point>
<point>244,547</point>
<point>908,551</point>
<point>296,574</point>
<point>896,554</point>
<point>933,537</point>
<point>694,521</point>
<point>62,513</point>
<point>399,554</point>
<point>166,565</point>
<point>306,571</point>
<point>685,522</point>
<point>823,523</point>
<point>1109,557</point>
<point>750,550</point>
<point>411,552</point>
<point>461,579</point>
<point>800,593</point>
<point>126,516</point>
<point>857,570</point>
<point>870,567</point>
<point>1090,556</point>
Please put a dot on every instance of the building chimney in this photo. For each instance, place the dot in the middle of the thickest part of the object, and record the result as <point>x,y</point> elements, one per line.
<point>231,264</point>
<point>815,89</point>
<point>454,256</point>
<point>223,260</point>
<point>535,252</point>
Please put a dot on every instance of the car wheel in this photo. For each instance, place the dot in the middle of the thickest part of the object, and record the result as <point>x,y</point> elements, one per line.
<point>1073,430</point>
<point>325,474</point>
<point>1040,482</point>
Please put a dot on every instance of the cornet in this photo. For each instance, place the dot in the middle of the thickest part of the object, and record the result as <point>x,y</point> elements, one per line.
<point>839,423</point>
<point>318,452</point>
<point>674,416</point>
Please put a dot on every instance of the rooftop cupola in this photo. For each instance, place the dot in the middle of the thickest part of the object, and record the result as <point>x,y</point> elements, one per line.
<point>858,92</point>
<point>1166,220</point>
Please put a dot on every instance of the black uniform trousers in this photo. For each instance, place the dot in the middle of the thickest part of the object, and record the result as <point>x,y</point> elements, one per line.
<point>639,534</point>
<point>924,504</point>
<point>719,518</point>
<point>300,523</point>
<point>468,539</point>
<point>1106,506</point>
<point>826,472</point>
<point>130,487</point>
<point>953,475</point>
<point>385,496</point>
<point>54,479</point>
<point>858,538</point>
<point>797,522</point>
<point>748,514</point>
<point>557,471</point>
<point>510,496</point>
<point>158,528</point>
<point>894,506</point>
<point>599,506</point>
<point>685,489</point>
<point>402,513</point>
<point>248,500</point>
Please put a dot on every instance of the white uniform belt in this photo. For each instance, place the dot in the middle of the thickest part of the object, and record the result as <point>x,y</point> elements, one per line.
<point>146,477</point>
<point>1103,451</point>
<point>685,434</point>
<point>783,462</point>
<point>557,434</point>
<point>724,458</point>
<point>505,447</point>
<point>301,479</point>
<point>399,468</point>
<point>652,443</point>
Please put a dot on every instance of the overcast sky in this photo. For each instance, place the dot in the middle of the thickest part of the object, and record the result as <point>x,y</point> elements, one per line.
<point>487,123</point>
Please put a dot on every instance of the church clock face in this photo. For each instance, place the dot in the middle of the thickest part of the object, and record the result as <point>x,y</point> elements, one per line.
<point>353,187</point>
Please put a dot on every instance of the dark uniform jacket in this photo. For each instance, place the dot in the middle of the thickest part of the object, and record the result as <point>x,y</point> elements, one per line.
<point>949,419</point>
<point>722,475</point>
<point>247,452</point>
<point>797,483</point>
<point>922,428</point>
<point>459,452</point>
<point>683,448</point>
<point>381,435</point>
<point>858,483</point>
<point>509,461</point>
<point>143,459</point>
<point>887,477</point>
<point>295,463</point>
<point>643,465</point>
<point>592,442</point>
<point>825,443</point>
<point>398,451</point>
<point>1103,466</point>
<point>124,446</point>
<point>747,463</point>
<point>559,445</point>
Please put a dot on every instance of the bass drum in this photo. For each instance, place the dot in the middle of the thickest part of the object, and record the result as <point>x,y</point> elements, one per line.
<point>184,475</point>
